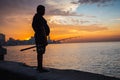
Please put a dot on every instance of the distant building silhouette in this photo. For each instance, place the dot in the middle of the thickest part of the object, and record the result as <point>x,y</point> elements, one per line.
<point>11,41</point>
<point>2,39</point>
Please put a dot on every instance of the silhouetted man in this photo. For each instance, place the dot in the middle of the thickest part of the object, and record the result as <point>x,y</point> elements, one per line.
<point>41,30</point>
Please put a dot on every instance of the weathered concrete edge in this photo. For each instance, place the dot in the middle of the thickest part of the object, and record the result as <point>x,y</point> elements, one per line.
<point>9,71</point>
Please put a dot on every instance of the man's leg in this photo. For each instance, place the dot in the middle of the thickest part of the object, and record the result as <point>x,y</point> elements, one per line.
<point>40,52</point>
<point>39,62</point>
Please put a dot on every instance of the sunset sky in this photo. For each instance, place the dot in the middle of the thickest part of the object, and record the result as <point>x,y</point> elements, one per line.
<point>89,19</point>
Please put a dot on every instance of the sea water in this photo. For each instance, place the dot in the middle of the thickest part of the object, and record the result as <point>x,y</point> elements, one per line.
<point>98,57</point>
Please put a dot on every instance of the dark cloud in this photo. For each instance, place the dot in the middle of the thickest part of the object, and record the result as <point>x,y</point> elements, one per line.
<point>93,1</point>
<point>28,7</point>
<point>54,8</point>
<point>18,6</point>
<point>8,7</point>
<point>11,8</point>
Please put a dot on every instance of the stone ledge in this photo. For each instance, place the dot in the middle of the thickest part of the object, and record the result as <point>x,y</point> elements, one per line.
<point>19,71</point>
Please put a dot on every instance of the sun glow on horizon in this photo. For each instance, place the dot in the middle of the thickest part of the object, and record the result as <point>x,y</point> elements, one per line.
<point>27,38</point>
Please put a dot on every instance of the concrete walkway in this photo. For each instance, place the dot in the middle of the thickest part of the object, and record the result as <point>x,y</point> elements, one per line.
<point>19,71</point>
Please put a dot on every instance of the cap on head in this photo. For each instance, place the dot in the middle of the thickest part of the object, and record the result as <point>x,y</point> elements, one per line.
<point>41,9</point>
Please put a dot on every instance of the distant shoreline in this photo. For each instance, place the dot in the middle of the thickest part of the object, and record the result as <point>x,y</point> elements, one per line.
<point>67,43</point>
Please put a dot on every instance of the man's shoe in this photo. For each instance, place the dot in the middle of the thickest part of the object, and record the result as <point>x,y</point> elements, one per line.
<point>42,70</point>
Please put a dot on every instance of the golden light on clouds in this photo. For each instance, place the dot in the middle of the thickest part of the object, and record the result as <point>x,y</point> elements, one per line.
<point>22,29</point>
<point>69,18</point>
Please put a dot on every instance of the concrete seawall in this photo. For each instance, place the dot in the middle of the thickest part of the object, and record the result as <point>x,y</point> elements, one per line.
<point>19,71</point>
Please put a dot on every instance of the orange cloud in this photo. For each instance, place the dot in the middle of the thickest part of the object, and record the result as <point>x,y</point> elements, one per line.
<point>65,31</point>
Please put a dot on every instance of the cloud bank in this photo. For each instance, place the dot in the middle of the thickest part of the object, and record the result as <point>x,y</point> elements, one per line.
<point>72,20</point>
<point>93,1</point>
<point>53,7</point>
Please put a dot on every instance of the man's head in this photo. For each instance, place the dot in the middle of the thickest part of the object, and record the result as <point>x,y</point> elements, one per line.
<point>41,10</point>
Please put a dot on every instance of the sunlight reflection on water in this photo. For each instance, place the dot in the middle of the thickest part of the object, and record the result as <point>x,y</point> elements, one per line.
<point>102,57</point>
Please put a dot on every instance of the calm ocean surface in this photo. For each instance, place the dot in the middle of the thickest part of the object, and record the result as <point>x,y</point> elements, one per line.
<point>99,57</point>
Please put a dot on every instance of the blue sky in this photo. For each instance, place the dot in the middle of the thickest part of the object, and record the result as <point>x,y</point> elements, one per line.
<point>102,12</point>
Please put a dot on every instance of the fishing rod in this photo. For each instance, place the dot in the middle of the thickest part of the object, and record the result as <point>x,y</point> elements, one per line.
<point>27,48</point>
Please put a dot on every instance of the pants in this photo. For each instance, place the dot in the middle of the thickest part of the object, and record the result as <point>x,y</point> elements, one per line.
<point>40,52</point>
<point>41,43</point>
